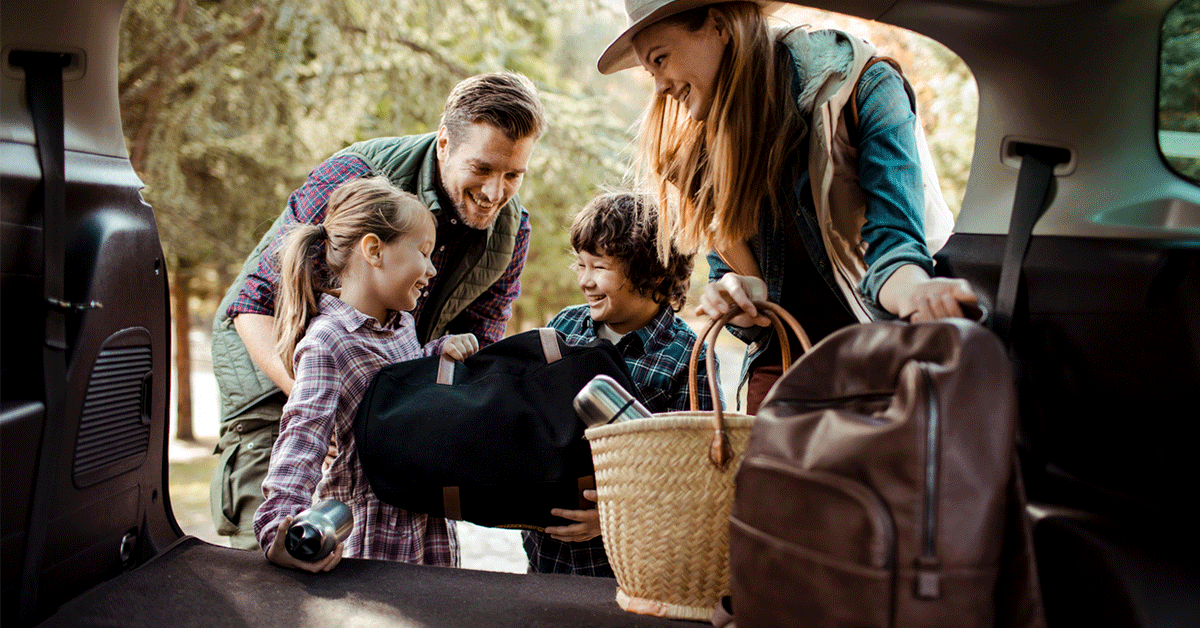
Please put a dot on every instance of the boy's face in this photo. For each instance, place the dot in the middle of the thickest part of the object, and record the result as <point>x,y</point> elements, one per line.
<point>603,282</point>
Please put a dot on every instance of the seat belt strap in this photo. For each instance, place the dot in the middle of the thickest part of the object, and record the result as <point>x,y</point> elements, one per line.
<point>44,94</point>
<point>1032,197</point>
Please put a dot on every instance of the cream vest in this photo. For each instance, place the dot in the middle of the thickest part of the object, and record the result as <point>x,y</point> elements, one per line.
<point>839,201</point>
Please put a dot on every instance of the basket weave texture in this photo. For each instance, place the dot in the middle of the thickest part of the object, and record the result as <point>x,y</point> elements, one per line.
<point>664,510</point>
<point>664,486</point>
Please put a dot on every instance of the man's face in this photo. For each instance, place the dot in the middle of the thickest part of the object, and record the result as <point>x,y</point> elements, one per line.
<point>481,171</point>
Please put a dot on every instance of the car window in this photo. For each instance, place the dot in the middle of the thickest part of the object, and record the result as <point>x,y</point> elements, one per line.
<point>1179,90</point>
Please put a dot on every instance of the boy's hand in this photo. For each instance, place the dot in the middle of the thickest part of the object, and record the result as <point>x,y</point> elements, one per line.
<point>588,527</point>
<point>460,346</point>
<point>719,296</point>
<point>279,555</point>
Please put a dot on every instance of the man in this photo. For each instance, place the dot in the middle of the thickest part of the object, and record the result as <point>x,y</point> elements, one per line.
<point>468,174</point>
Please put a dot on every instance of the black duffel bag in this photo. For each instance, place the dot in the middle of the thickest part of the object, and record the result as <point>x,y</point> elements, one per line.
<point>494,439</point>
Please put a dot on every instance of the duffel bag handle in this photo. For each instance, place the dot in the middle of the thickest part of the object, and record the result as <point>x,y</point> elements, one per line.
<point>719,452</point>
<point>550,348</point>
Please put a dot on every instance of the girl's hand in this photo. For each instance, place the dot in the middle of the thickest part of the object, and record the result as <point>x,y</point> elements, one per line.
<point>588,527</point>
<point>719,296</point>
<point>279,555</point>
<point>460,346</point>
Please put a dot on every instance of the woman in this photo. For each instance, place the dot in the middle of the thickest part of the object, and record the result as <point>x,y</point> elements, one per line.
<point>753,153</point>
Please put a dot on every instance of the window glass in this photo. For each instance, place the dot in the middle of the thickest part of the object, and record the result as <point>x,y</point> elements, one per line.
<point>1179,89</point>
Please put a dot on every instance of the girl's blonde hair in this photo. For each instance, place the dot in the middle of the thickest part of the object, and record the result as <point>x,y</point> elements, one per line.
<point>712,177</point>
<point>355,209</point>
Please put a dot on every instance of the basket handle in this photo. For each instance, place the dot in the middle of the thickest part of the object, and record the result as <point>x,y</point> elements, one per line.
<point>719,452</point>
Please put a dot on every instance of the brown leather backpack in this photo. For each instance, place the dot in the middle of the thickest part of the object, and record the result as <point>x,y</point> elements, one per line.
<point>880,489</point>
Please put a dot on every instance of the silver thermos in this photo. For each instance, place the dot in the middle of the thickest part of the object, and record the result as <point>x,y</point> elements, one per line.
<point>317,531</point>
<point>603,400</point>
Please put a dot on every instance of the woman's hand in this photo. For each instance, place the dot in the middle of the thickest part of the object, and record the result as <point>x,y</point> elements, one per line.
<point>912,294</point>
<point>279,555</point>
<point>940,297</point>
<point>460,346</point>
<point>741,290</point>
<point>587,528</point>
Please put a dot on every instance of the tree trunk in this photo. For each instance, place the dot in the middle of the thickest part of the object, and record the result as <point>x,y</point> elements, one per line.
<point>181,291</point>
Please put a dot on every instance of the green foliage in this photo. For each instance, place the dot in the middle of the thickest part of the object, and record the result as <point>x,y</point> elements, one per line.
<point>229,104</point>
<point>1179,79</point>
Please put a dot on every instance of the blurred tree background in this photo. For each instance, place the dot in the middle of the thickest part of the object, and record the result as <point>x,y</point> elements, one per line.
<point>228,104</point>
<point>1179,85</point>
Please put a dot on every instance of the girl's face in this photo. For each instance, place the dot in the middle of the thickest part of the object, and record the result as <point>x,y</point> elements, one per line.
<point>684,63</point>
<point>404,268</point>
<point>604,284</point>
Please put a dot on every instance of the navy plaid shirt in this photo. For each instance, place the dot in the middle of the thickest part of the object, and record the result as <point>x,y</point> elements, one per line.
<point>657,356</point>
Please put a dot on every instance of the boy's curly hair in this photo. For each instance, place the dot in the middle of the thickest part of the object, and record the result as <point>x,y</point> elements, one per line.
<point>624,226</point>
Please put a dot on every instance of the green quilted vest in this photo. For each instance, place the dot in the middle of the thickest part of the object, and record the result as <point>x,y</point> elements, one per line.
<point>411,164</point>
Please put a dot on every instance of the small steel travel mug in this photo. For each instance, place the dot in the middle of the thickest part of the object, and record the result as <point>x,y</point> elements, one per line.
<point>603,400</point>
<point>317,531</point>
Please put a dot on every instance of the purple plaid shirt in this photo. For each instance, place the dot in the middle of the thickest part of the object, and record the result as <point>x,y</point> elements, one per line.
<point>336,360</point>
<point>487,317</point>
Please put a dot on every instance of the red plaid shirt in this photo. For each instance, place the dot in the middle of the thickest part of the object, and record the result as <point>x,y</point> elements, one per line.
<point>487,317</point>
<point>336,360</point>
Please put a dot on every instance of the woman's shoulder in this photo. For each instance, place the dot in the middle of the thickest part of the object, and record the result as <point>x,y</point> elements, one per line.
<point>879,70</point>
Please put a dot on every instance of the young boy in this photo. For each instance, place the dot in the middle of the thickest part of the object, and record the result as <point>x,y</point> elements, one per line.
<point>632,298</point>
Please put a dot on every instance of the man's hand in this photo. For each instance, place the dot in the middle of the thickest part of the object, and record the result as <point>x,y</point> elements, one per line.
<point>279,555</point>
<point>588,527</point>
<point>460,346</point>
<point>741,290</point>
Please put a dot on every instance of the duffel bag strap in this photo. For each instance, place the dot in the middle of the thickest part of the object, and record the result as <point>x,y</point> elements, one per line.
<point>550,348</point>
<point>550,344</point>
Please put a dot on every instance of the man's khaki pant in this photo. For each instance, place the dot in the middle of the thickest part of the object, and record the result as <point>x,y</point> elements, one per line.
<point>236,489</point>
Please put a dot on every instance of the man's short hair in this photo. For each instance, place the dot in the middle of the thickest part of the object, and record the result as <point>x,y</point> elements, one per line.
<point>624,226</point>
<point>505,100</point>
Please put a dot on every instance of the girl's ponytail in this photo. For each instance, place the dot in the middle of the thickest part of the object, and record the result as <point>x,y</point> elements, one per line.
<point>297,290</point>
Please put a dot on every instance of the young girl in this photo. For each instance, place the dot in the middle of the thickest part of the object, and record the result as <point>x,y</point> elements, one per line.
<point>334,334</point>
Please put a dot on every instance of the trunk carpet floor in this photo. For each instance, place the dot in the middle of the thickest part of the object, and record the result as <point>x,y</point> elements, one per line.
<point>195,583</point>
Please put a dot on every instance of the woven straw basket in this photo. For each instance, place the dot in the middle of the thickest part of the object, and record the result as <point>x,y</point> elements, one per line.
<point>665,491</point>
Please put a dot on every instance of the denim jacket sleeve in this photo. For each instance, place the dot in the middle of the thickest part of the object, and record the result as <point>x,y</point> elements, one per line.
<point>889,171</point>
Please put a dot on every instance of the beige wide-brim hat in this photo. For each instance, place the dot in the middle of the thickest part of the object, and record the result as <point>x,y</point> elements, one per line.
<point>642,13</point>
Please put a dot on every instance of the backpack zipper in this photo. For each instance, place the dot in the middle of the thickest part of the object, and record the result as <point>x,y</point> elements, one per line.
<point>838,403</point>
<point>928,581</point>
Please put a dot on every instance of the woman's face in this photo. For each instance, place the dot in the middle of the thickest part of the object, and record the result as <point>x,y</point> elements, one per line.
<point>684,62</point>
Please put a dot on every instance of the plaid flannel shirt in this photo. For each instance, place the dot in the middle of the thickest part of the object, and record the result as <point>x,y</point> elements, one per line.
<point>657,356</point>
<point>487,317</point>
<point>340,354</point>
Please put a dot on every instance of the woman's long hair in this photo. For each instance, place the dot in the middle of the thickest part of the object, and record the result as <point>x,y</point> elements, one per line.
<point>711,177</point>
<point>356,208</point>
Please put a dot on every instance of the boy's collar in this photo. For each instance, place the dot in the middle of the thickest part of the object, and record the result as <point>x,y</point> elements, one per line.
<point>653,334</point>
